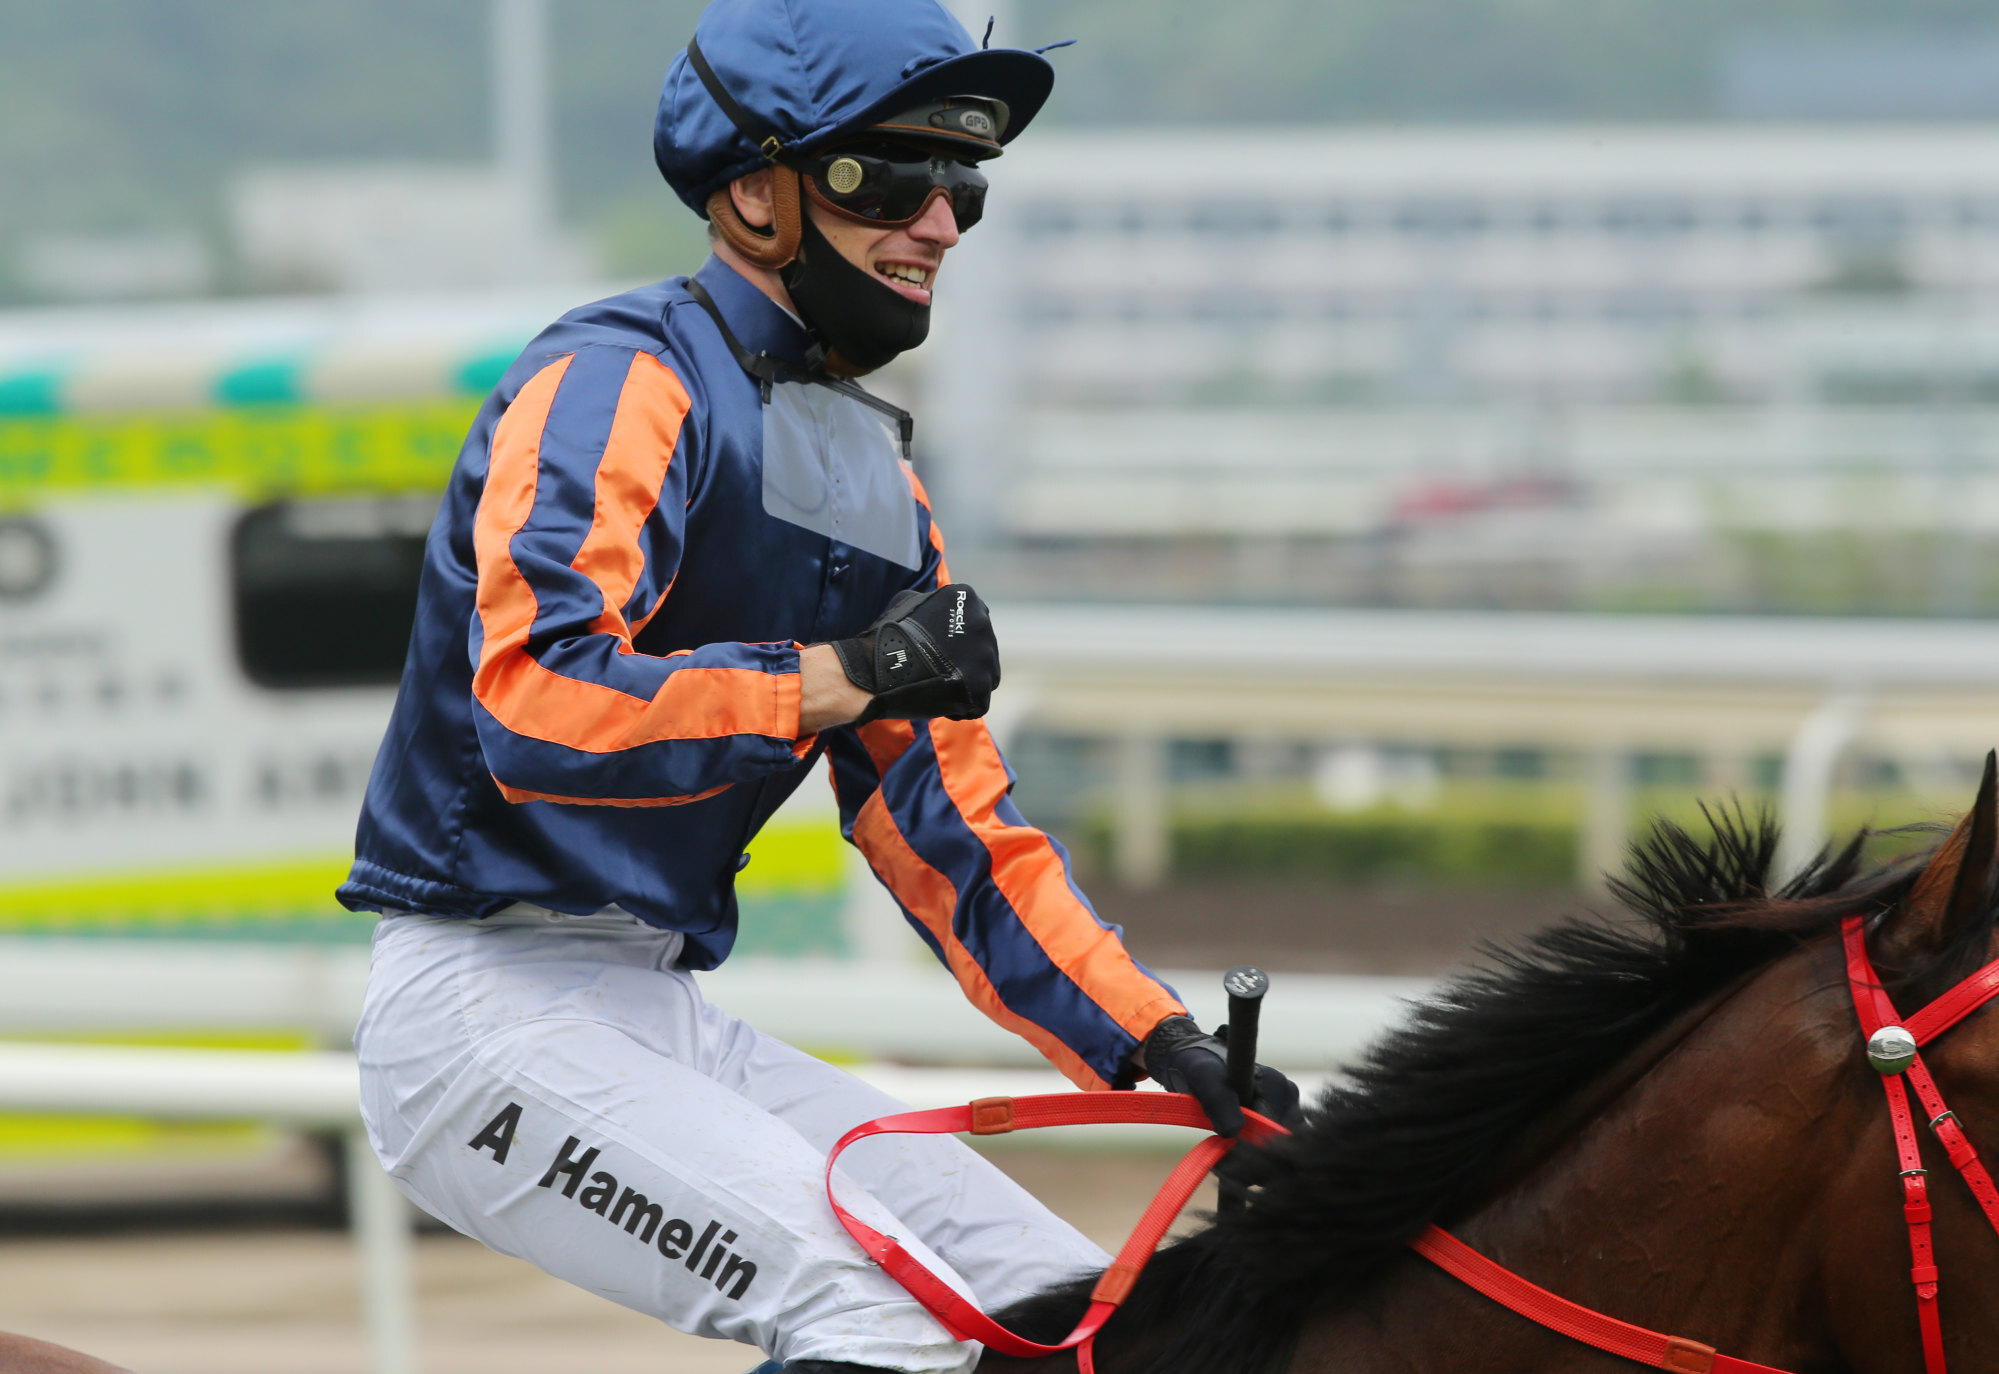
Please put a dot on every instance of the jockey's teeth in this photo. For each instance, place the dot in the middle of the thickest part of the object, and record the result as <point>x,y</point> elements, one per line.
<point>915,276</point>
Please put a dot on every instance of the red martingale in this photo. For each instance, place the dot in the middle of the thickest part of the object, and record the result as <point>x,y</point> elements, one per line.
<point>997,1115</point>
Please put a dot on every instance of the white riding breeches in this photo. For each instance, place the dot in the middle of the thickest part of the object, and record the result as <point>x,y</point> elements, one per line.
<point>553,1087</point>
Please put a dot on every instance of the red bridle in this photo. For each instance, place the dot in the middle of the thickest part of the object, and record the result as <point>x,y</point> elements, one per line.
<point>1877,1012</point>
<point>1899,1072</point>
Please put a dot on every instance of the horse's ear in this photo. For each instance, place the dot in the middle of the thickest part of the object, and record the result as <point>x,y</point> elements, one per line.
<point>1956,884</point>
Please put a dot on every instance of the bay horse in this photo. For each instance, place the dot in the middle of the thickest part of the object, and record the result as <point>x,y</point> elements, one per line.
<point>25,1355</point>
<point>1669,1119</point>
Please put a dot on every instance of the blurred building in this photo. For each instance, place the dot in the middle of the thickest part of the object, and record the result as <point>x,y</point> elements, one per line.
<point>1415,357</point>
<point>128,266</point>
<point>1861,74</point>
<point>1695,368</point>
<point>377,227</point>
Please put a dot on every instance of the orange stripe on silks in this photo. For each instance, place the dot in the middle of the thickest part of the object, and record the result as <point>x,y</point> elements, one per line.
<point>936,535</point>
<point>517,794</point>
<point>652,406</point>
<point>886,741</point>
<point>929,896</point>
<point>694,703</point>
<point>1030,875</point>
<point>539,703</point>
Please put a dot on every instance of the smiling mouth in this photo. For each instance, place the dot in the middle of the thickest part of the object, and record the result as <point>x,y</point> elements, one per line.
<point>908,278</point>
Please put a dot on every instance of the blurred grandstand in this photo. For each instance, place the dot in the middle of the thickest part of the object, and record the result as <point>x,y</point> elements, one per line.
<point>1522,370</point>
<point>1531,370</point>
<point>1580,368</point>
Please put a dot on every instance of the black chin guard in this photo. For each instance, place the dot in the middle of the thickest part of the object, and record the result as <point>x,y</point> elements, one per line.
<point>863,322</point>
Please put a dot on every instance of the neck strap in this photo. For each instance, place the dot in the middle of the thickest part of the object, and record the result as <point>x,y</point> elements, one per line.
<point>768,371</point>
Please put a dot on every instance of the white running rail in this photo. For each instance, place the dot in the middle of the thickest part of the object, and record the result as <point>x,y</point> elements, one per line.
<point>314,1090</point>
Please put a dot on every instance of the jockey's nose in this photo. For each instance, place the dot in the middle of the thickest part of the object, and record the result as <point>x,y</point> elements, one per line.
<point>937,224</point>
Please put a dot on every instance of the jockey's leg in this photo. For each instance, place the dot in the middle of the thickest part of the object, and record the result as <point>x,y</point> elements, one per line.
<point>540,1086</point>
<point>987,1227</point>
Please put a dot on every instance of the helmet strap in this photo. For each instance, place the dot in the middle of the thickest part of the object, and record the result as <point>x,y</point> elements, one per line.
<point>768,249</point>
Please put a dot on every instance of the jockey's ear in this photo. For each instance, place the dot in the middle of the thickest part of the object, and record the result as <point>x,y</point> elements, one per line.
<point>1956,886</point>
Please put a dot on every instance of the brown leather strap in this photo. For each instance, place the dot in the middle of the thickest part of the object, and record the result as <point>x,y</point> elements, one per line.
<point>776,248</point>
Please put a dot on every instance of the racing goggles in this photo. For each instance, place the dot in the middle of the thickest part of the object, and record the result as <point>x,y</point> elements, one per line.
<point>889,188</point>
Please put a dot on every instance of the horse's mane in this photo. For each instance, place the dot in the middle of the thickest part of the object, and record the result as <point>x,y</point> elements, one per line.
<point>1413,1135</point>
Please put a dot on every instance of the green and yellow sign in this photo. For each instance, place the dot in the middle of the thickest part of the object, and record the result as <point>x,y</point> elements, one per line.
<point>258,452</point>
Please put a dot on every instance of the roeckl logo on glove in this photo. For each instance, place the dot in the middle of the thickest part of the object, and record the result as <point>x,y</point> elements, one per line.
<point>957,622</point>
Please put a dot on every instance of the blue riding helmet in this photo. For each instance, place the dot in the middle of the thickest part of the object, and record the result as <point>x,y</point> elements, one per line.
<point>818,71</point>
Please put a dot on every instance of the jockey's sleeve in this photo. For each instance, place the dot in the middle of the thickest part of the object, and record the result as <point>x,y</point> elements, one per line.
<point>578,537</point>
<point>927,803</point>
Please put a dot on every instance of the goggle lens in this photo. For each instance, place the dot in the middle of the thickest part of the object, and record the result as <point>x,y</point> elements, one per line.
<point>891,191</point>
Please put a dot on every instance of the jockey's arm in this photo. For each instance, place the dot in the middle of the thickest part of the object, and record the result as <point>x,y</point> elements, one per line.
<point>927,802</point>
<point>925,799</point>
<point>567,709</point>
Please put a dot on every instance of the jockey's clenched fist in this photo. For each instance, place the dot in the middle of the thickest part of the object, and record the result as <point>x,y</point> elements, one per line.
<point>1186,1059</point>
<point>929,654</point>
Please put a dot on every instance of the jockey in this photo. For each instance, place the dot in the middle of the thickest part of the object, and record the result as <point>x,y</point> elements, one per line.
<point>683,563</point>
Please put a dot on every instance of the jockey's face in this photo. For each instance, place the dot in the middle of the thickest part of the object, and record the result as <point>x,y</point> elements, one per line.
<point>893,255</point>
<point>906,257</point>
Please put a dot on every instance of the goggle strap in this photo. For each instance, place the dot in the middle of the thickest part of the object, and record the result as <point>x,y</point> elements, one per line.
<point>754,129</point>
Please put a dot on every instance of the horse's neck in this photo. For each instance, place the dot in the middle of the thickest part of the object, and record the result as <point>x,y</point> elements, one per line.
<point>1688,1204</point>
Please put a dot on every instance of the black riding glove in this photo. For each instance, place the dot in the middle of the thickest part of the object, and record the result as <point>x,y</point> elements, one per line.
<point>1186,1059</point>
<point>930,654</point>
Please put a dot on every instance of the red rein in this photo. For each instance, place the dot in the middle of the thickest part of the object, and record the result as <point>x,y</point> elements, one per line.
<point>998,1115</point>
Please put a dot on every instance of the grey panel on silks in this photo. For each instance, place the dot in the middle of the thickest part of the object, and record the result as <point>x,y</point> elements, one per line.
<point>830,465</point>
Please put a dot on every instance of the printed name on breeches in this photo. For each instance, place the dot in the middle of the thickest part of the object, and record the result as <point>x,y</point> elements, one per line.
<point>636,1214</point>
